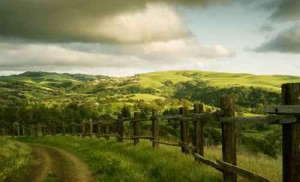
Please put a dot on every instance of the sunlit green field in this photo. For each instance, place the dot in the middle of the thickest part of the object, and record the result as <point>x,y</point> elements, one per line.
<point>270,82</point>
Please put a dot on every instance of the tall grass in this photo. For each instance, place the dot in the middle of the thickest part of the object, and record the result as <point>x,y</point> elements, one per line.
<point>259,163</point>
<point>14,157</point>
<point>112,161</point>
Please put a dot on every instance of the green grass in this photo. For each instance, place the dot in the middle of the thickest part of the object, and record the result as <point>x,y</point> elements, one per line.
<point>155,79</point>
<point>14,157</point>
<point>112,161</point>
<point>146,97</point>
<point>219,79</point>
<point>258,163</point>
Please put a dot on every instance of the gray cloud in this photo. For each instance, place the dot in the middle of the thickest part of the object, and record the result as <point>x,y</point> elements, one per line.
<point>266,28</point>
<point>287,10</point>
<point>70,20</point>
<point>23,57</point>
<point>287,41</point>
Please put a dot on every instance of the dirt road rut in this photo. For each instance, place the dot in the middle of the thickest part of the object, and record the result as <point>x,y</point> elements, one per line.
<point>55,164</point>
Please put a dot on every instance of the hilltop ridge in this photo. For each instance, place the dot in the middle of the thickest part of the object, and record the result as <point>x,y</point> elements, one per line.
<point>191,85</point>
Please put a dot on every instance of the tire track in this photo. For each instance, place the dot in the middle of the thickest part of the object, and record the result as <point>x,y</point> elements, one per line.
<point>55,164</point>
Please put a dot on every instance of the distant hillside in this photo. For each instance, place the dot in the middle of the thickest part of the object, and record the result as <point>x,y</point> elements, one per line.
<point>218,79</point>
<point>157,89</point>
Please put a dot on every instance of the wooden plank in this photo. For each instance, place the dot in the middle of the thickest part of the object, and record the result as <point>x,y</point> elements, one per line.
<point>143,119</point>
<point>108,135</point>
<point>127,138</point>
<point>120,128</point>
<point>208,162</point>
<point>291,136</point>
<point>91,127</point>
<point>167,143</point>
<point>142,137</point>
<point>136,127</point>
<point>76,124</point>
<point>109,123</point>
<point>228,138</point>
<point>99,132</point>
<point>242,172</point>
<point>184,130</point>
<point>276,119</point>
<point>198,129</point>
<point>186,145</point>
<point>170,117</point>
<point>83,129</point>
<point>127,119</point>
<point>107,128</point>
<point>155,128</point>
<point>283,109</point>
<point>205,115</point>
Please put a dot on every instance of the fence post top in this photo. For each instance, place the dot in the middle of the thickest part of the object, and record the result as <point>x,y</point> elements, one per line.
<point>290,93</point>
<point>286,84</point>
<point>136,114</point>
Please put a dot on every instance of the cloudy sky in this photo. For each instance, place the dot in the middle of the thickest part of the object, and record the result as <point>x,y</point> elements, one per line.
<point>124,37</point>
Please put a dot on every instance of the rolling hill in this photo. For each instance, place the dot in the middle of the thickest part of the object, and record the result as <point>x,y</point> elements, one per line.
<point>165,89</point>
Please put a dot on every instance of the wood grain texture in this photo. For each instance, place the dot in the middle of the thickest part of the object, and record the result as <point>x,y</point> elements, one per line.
<point>228,138</point>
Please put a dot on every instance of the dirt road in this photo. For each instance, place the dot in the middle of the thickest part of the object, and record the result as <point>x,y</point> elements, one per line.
<point>54,164</point>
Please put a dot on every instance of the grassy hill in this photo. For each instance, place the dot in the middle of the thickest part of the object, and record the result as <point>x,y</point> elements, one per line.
<point>155,89</point>
<point>218,79</point>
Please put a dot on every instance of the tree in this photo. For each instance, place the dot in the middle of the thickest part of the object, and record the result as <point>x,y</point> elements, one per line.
<point>125,112</point>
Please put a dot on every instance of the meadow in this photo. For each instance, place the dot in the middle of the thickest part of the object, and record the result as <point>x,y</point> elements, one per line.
<point>112,161</point>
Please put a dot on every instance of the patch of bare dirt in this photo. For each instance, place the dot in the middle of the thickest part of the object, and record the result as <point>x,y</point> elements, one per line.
<point>55,164</point>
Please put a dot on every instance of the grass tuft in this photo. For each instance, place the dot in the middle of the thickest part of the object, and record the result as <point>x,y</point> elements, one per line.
<point>14,157</point>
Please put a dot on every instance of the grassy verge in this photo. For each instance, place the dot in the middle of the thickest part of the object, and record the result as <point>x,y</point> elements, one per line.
<point>255,162</point>
<point>112,161</point>
<point>14,156</point>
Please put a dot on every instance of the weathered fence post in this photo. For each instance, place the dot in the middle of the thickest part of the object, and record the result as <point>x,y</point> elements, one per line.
<point>120,128</point>
<point>136,128</point>
<point>184,128</point>
<point>155,128</point>
<point>199,132</point>
<point>36,130</point>
<point>29,130</point>
<point>83,128</point>
<point>54,129</point>
<point>228,138</point>
<point>23,130</point>
<point>91,127</point>
<point>291,136</point>
<point>44,129</point>
<point>18,129</point>
<point>73,129</point>
<point>99,130</point>
<point>107,128</point>
<point>13,130</point>
<point>63,128</point>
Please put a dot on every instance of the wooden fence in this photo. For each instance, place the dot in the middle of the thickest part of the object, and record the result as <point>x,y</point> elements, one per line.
<point>287,115</point>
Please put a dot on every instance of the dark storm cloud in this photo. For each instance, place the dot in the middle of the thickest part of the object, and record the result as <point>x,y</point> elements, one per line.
<point>287,10</point>
<point>266,28</point>
<point>287,41</point>
<point>68,20</point>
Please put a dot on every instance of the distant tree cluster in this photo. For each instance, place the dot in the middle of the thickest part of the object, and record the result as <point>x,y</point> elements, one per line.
<point>27,114</point>
<point>248,99</point>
